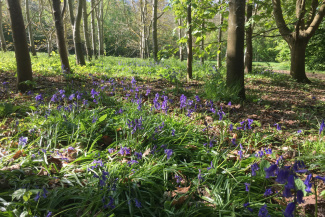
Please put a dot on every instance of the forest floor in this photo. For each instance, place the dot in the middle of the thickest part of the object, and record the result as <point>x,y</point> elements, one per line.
<point>109,134</point>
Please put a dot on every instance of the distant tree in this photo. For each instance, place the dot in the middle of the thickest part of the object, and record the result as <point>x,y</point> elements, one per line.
<point>75,23</point>
<point>154,29</point>
<point>235,46</point>
<point>305,26</point>
<point>189,41</point>
<point>30,29</point>
<point>219,40</point>
<point>93,30</point>
<point>180,36</point>
<point>249,34</point>
<point>24,66</point>
<point>85,26</point>
<point>60,34</point>
<point>2,38</point>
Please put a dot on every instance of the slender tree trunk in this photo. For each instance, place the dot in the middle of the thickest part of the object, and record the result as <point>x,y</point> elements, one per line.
<point>297,69</point>
<point>202,45</point>
<point>219,42</point>
<point>75,21</point>
<point>99,12</point>
<point>30,29</point>
<point>249,44</point>
<point>189,42</point>
<point>235,46</point>
<point>181,54</point>
<point>60,37</point>
<point>154,30</point>
<point>93,32</point>
<point>2,38</point>
<point>86,34</point>
<point>49,45</point>
<point>24,66</point>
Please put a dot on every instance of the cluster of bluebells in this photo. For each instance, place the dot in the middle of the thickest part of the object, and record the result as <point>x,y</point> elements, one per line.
<point>44,194</point>
<point>135,125</point>
<point>23,141</point>
<point>246,124</point>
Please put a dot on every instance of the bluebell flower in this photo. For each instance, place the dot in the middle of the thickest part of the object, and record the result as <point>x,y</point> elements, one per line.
<point>289,210</point>
<point>263,212</point>
<point>199,176</point>
<point>287,191</point>
<point>321,178</point>
<point>94,93</point>
<point>23,141</point>
<point>49,214</point>
<point>221,114</point>
<point>299,131</point>
<point>94,120</point>
<point>254,168</point>
<point>246,206</point>
<point>300,195</point>
<point>147,92</point>
<point>308,183</point>
<point>37,197</point>
<point>138,155</point>
<point>197,98</point>
<point>173,132</point>
<point>131,162</point>
<point>39,98</point>
<point>291,182</point>
<point>247,186</point>
<point>270,171</point>
<point>72,96</point>
<point>283,175</point>
<point>183,100</point>
<point>268,192</point>
<point>124,151</point>
<point>231,127</point>
<point>240,152</point>
<point>211,166</point>
<point>168,152</point>
<point>137,203</point>
<point>278,126</point>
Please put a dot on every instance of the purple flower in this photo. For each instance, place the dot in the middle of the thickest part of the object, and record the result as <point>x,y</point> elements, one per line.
<point>49,214</point>
<point>54,98</point>
<point>137,203</point>
<point>291,182</point>
<point>23,141</point>
<point>94,93</point>
<point>110,150</point>
<point>278,126</point>
<point>240,152</point>
<point>173,132</point>
<point>254,168</point>
<point>131,162</point>
<point>268,192</point>
<point>199,176</point>
<point>308,183</point>
<point>183,100</point>
<point>138,155</point>
<point>263,212</point>
<point>72,96</point>
<point>283,175</point>
<point>37,197</point>
<point>299,131</point>
<point>287,191</point>
<point>168,152</point>
<point>39,98</point>
<point>197,98</point>
<point>300,195</point>
<point>221,114</point>
<point>321,178</point>
<point>246,206</point>
<point>94,120</point>
<point>321,128</point>
<point>270,171</point>
<point>229,103</point>
<point>147,92</point>
<point>247,186</point>
<point>124,151</point>
<point>211,166</point>
<point>231,127</point>
<point>289,210</point>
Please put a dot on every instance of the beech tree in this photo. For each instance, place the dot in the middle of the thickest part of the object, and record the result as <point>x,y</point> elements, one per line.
<point>58,18</point>
<point>249,44</point>
<point>30,29</point>
<point>305,26</point>
<point>93,32</point>
<point>235,46</point>
<point>24,66</point>
<point>2,38</point>
<point>189,41</point>
<point>154,30</point>
<point>85,27</point>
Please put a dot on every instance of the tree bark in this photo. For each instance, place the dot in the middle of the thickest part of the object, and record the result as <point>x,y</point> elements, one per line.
<point>93,32</point>
<point>181,54</point>
<point>24,66</point>
<point>99,13</point>
<point>298,39</point>
<point>65,66</point>
<point>75,21</point>
<point>154,30</point>
<point>30,30</point>
<point>189,42</point>
<point>235,46</point>
<point>249,44</point>
<point>2,38</point>
<point>49,45</point>
<point>219,42</point>
<point>202,44</point>
<point>86,34</point>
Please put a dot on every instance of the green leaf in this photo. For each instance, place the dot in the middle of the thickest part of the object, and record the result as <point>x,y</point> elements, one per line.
<point>322,194</point>
<point>32,108</point>
<point>27,196</point>
<point>18,194</point>
<point>102,118</point>
<point>300,185</point>
<point>23,214</point>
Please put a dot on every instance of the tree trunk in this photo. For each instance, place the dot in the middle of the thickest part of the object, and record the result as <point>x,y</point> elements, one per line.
<point>219,42</point>
<point>24,66</point>
<point>202,45</point>
<point>181,54</point>
<point>30,29</point>
<point>235,46</point>
<point>189,42</point>
<point>2,38</point>
<point>49,45</point>
<point>75,21</point>
<point>99,13</point>
<point>65,66</point>
<point>93,32</point>
<point>297,68</point>
<point>154,30</point>
<point>249,44</point>
<point>86,34</point>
